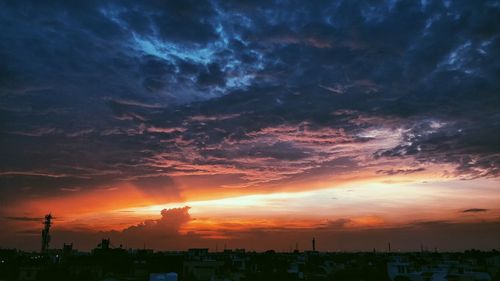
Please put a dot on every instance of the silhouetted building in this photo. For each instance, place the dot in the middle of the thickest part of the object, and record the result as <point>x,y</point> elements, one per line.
<point>197,253</point>
<point>104,245</point>
<point>67,249</point>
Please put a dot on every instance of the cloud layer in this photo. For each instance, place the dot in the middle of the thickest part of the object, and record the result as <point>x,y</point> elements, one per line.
<point>165,95</point>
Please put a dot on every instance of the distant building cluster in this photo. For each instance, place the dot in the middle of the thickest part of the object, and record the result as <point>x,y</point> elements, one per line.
<point>471,265</point>
<point>109,263</point>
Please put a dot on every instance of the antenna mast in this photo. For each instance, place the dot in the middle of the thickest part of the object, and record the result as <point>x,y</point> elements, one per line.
<point>46,232</point>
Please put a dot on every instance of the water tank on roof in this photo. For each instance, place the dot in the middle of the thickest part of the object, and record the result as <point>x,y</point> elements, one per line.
<point>171,276</point>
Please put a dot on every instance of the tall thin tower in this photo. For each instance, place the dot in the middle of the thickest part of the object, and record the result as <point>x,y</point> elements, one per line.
<point>46,232</point>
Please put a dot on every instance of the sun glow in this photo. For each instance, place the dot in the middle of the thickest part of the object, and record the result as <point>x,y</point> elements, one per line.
<point>383,204</point>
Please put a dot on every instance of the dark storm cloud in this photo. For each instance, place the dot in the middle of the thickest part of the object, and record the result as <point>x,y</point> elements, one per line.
<point>470,144</point>
<point>29,219</point>
<point>475,210</point>
<point>99,92</point>
<point>400,171</point>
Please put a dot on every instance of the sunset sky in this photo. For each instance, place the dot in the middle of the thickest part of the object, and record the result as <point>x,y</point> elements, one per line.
<point>251,124</point>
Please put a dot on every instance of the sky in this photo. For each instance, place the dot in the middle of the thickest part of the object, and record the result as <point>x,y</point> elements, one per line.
<point>251,124</point>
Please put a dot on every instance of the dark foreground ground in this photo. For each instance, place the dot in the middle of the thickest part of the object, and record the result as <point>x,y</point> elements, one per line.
<point>199,264</point>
